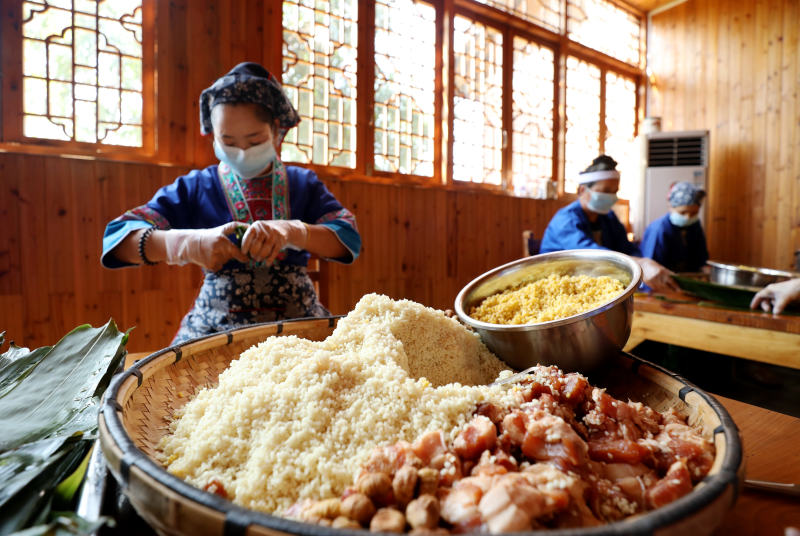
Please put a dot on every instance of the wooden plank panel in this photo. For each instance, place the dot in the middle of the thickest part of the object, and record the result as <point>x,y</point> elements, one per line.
<point>771,141</point>
<point>761,45</point>
<point>742,121</point>
<point>748,55</point>
<point>10,222</point>
<point>172,60</point>
<point>790,161</point>
<point>757,344</point>
<point>728,185</point>
<point>793,46</point>
<point>204,27</point>
<point>34,258</point>
<point>13,320</point>
<point>57,206</point>
<point>444,239</point>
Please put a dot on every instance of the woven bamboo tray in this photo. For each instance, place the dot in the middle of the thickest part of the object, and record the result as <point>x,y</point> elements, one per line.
<point>140,401</point>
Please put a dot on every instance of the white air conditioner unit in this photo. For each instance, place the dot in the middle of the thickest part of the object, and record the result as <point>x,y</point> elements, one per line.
<point>669,157</point>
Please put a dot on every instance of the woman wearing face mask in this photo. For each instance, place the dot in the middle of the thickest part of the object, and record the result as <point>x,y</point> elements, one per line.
<point>589,222</point>
<point>676,240</point>
<point>284,212</point>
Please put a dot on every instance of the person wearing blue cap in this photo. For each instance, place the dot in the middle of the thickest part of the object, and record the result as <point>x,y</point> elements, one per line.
<point>249,221</point>
<point>589,222</point>
<point>676,240</point>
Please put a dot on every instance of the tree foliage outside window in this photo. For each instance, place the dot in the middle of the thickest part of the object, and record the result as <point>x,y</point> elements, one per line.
<point>477,102</point>
<point>502,93</point>
<point>606,27</point>
<point>82,71</point>
<point>532,144</point>
<point>620,122</point>
<point>583,119</point>
<point>505,121</point>
<point>320,40</point>
<point>405,78</point>
<point>546,13</point>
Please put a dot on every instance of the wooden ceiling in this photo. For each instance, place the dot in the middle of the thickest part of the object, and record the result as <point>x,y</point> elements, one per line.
<point>648,5</point>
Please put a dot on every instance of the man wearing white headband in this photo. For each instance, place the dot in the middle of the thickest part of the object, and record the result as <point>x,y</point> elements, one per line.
<point>588,222</point>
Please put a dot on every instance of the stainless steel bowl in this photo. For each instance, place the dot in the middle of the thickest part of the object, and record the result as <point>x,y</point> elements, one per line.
<point>577,343</point>
<point>746,276</point>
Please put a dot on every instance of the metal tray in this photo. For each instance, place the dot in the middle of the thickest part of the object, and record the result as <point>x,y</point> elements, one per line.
<point>748,277</point>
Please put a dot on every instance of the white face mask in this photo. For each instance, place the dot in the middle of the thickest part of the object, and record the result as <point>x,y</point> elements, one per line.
<point>247,163</point>
<point>601,202</point>
<point>681,220</point>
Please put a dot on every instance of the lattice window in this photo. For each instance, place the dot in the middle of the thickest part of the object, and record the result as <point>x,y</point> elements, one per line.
<point>603,26</point>
<point>621,128</point>
<point>405,81</point>
<point>320,40</point>
<point>532,142</point>
<point>583,119</point>
<point>547,13</point>
<point>477,102</point>
<point>82,71</point>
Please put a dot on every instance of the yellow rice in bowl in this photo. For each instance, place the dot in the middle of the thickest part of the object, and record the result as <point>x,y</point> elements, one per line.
<point>550,298</point>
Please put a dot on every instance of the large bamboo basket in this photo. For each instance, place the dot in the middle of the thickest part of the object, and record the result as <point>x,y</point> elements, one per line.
<point>141,400</point>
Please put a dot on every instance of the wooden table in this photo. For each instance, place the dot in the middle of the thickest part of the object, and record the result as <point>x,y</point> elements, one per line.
<point>771,452</point>
<point>682,320</point>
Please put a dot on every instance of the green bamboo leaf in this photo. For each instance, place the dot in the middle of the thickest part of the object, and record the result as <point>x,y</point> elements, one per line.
<point>16,363</point>
<point>67,488</point>
<point>20,466</point>
<point>49,401</point>
<point>67,523</point>
<point>32,504</point>
<point>57,396</point>
<point>727,295</point>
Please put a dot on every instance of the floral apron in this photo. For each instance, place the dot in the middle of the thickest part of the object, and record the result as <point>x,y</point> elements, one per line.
<point>237,297</point>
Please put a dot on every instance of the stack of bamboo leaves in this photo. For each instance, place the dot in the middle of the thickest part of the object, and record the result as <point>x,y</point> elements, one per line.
<point>49,403</point>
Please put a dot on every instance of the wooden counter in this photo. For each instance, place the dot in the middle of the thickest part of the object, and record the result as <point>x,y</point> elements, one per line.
<point>685,321</point>
<point>771,453</point>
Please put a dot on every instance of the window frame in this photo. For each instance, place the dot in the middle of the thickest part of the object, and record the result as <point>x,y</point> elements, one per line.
<point>463,11</point>
<point>510,26</point>
<point>11,108</point>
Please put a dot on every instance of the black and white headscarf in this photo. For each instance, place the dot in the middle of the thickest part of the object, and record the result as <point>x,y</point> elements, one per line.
<point>249,83</point>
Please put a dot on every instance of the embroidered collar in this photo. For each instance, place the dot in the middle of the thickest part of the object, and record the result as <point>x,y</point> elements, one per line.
<point>233,187</point>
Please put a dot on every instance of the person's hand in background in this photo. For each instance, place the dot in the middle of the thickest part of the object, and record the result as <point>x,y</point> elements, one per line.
<point>656,276</point>
<point>777,296</point>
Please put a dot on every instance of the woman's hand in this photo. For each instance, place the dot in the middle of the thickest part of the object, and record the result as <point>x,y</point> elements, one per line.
<point>656,276</point>
<point>208,248</point>
<point>777,296</point>
<point>266,238</point>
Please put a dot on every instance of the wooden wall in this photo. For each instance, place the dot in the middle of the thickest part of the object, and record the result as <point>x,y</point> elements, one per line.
<point>733,67</point>
<point>419,243</point>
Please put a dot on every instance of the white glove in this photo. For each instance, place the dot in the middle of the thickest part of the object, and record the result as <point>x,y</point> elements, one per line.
<point>266,238</point>
<point>656,276</point>
<point>777,296</point>
<point>209,248</point>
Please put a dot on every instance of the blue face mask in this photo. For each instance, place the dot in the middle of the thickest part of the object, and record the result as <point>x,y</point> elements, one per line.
<point>682,220</point>
<point>601,202</point>
<point>247,163</point>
